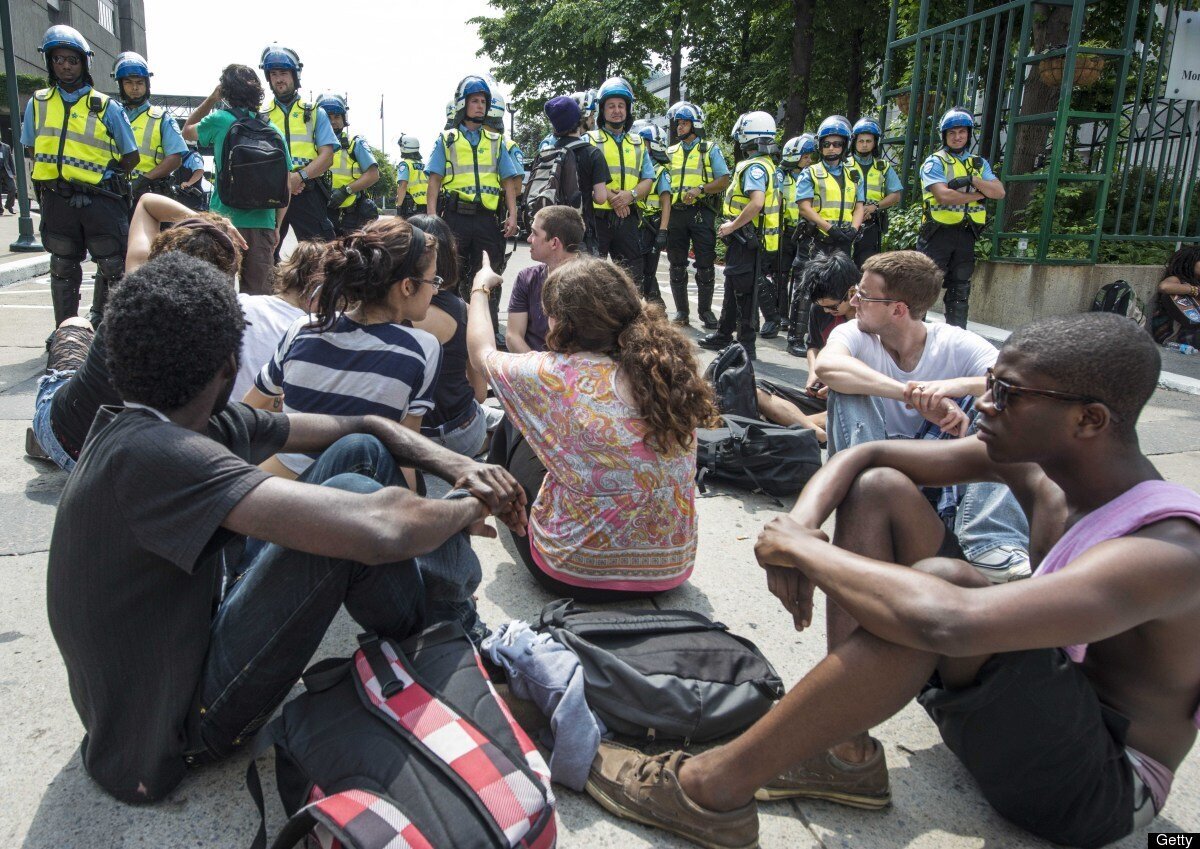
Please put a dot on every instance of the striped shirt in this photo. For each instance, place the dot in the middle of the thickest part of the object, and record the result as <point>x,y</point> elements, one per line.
<point>352,369</point>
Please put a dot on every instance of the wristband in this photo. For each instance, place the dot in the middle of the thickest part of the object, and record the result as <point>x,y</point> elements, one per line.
<point>483,289</point>
<point>455,494</point>
<point>304,178</point>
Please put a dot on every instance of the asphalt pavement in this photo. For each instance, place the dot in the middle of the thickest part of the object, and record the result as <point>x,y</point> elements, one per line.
<point>51,803</point>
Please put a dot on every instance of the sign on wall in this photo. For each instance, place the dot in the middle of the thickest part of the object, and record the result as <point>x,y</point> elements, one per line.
<point>1183,80</point>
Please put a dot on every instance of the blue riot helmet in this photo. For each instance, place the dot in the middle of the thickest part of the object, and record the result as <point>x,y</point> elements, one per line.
<point>956,116</point>
<point>790,157</point>
<point>335,104</point>
<point>615,87</point>
<point>276,57</point>
<point>808,144</point>
<point>130,64</point>
<point>474,84</point>
<point>61,35</point>
<point>834,125</point>
<point>684,111</point>
<point>865,126</point>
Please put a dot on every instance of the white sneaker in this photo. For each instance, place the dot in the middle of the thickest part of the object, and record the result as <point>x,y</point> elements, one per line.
<point>1003,563</point>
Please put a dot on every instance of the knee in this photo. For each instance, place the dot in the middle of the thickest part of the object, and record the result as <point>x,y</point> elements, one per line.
<point>879,486</point>
<point>76,321</point>
<point>353,482</point>
<point>952,571</point>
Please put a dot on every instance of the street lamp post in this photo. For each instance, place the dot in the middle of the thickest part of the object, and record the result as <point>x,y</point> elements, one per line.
<point>25,243</point>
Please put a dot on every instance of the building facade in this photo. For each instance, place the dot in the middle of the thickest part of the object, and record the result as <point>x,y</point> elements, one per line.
<point>110,27</point>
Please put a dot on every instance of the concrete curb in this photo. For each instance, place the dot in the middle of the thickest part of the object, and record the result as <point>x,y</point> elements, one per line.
<point>24,268</point>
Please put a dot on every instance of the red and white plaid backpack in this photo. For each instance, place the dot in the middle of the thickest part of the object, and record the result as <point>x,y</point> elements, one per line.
<point>406,745</point>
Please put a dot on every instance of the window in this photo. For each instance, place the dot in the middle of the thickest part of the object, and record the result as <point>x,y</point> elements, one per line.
<point>106,15</point>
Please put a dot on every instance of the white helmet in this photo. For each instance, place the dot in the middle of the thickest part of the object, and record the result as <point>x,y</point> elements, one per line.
<point>409,145</point>
<point>655,138</point>
<point>586,101</point>
<point>497,109</point>
<point>753,128</point>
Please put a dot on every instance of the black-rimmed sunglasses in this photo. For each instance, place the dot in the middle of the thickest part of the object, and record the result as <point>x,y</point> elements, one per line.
<point>1002,390</point>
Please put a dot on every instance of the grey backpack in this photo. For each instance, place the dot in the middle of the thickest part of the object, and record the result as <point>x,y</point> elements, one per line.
<point>665,674</point>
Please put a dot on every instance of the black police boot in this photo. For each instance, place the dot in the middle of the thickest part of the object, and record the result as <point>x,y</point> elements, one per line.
<point>746,320</point>
<point>64,295</point>
<point>955,301</point>
<point>716,341</point>
<point>680,296</point>
<point>797,348</point>
<point>768,304</point>
<point>705,278</point>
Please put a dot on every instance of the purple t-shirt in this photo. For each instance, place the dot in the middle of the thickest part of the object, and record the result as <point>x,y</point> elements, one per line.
<point>527,298</point>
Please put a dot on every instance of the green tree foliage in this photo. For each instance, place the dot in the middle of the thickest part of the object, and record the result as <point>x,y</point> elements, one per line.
<point>385,188</point>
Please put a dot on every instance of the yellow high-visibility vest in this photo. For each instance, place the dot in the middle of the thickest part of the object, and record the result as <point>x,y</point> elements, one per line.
<point>787,195</point>
<point>688,172</point>
<point>299,129</point>
<point>71,143</point>
<point>147,132</point>
<point>767,221</point>
<point>876,176</point>
<point>418,183</point>
<point>473,171</point>
<point>652,204</point>
<point>957,213</point>
<point>834,199</point>
<point>624,160</point>
<point>345,169</point>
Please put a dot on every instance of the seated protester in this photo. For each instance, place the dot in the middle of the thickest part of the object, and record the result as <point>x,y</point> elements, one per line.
<point>457,420</point>
<point>239,93</point>
<point>1168,323</point>
<point>830,277</point>
<point>889,371</point>
<point>617,390</point>
<point>269,317</point>
<point>76,383</point>
<point>554,238</point>
<point>166,671</point>
<point>355,358</point>
<point>1073,742</point>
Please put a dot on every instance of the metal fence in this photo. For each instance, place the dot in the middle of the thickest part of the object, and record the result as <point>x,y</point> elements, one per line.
<point>1094,154</point>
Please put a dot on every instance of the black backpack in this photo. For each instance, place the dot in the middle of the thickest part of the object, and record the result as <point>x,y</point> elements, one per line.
<point>254,166</point>
<point>756,455</point>
<point>553,179</point>
<point>731,374</point>
<point>664,674</point>
<point>1119,297</point>
<point>406,744</point>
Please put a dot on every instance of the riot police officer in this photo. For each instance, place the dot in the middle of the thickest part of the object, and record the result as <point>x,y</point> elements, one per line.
<point>353,171</point>
<point>631,172</point>
<point>954,185</point>
<point>752,234</point>
<point>73,132</point>
<point>828,192</point>
<point>797,155</point>
<point>882,187</point>
<point>187,178</point>
<point>159,142</point>
<point>656,210</point>
<point>412,184</point>
<point>495,122</point>
<point>311,141</point>
<point>472,168</point>
<point>698,177</point>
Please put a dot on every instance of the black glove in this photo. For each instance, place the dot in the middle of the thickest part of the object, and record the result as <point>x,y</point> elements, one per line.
<point>959,183</point>
<point>79,200</point>
<point>660,240</point>
<point>338,197</point>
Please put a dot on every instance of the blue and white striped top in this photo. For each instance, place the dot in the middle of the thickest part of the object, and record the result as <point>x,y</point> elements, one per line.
<point>352,369</point>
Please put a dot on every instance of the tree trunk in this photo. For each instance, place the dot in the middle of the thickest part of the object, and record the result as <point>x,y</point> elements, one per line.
<point>676,54</point>
<point>795,112</point>
<point>1051,25</point>
<point>854,79</point>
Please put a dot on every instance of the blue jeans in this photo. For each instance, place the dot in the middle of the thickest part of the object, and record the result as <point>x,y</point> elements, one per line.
<point>988,514</point>
<point>48,384</point>
<point>468,438</point>
<point>275,615</point>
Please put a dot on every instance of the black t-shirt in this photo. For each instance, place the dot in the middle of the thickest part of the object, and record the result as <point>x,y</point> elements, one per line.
<point>592,169</point>
<point>133,575</point>
<point>75,404</point>
<point>820,325</point>
<point>453,394</point>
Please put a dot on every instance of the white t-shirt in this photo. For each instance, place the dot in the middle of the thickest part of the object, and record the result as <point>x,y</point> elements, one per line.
<point>269,318</point>
<point>949,352</point>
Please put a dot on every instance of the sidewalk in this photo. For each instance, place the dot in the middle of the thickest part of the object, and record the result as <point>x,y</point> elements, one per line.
<point>15,267</point>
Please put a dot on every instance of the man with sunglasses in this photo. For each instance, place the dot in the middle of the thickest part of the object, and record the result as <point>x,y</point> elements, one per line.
<point>1070,698</point>
<point>829,193</point>
<point>890,372</point>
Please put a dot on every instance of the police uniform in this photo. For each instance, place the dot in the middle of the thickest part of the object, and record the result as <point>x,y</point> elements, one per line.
<point>74,137</point>
<point>651,208</point>
<point>628,163</point>
<point>474,165</point>
<point>879,179</point>
<point>351,159</point>
<point>416,192</point>
<point>192,196</point>
<point>693,225</point>
<point>306,129</point>
<point>744,263</point>
<point>157,136</point>
<point>949,233</point>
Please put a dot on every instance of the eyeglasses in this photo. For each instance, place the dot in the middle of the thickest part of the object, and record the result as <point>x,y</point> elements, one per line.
<point>833,143</point>
<point>435,282</point>
<point>65,59</point>
<point>857,295</point>
<point>1002,390</point>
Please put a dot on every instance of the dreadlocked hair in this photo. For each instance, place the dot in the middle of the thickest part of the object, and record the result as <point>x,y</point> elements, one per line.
<point>363,266</point>
<point>595,307</point>
<point>1182,264</point>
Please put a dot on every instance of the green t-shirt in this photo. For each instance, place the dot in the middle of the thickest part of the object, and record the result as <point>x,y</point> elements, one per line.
<point>212,130</point>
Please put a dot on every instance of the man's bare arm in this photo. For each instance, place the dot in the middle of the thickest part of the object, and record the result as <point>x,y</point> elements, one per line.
<point>842,372</point>
<point>514,332</point>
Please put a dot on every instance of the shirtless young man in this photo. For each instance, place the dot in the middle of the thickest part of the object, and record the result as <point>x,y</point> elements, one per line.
<point>1076,748</point>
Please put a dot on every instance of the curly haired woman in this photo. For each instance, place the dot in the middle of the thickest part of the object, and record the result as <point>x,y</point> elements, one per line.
<point>607,422</point>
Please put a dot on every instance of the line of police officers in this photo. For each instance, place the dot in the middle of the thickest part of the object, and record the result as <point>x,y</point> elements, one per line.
<point>829,192</point>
